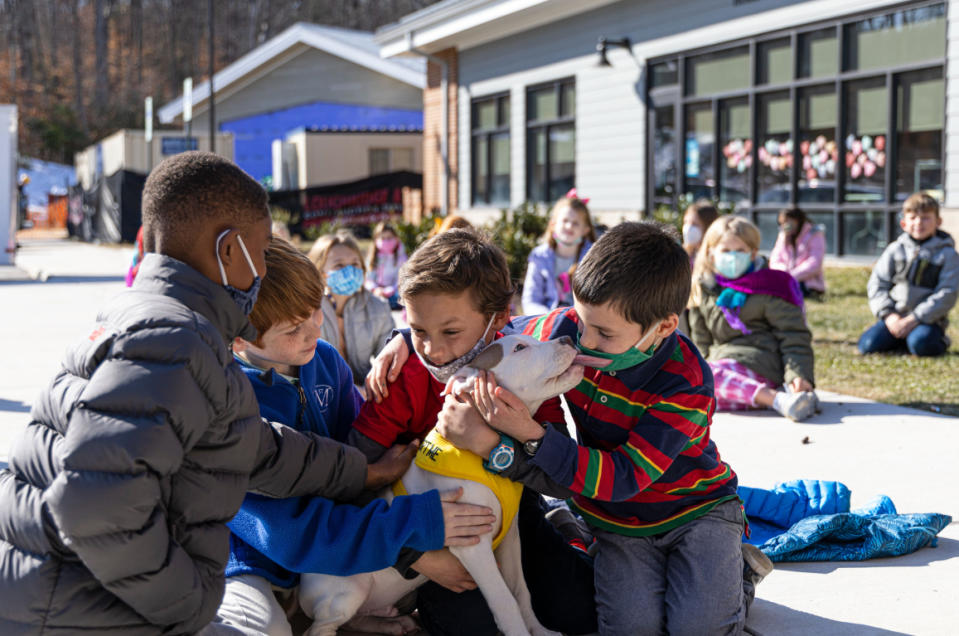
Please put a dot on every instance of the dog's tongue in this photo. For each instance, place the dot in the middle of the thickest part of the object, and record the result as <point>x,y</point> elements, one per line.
<point>591,361</point>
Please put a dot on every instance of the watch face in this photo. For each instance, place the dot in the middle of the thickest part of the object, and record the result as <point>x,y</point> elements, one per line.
<point>502,458</point>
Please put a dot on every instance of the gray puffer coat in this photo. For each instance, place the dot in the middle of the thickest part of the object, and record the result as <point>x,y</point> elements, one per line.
<point>113,509</point>
<point>921,278</point>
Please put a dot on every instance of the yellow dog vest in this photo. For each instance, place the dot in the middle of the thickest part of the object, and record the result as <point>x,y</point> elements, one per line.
<point>437,455</point>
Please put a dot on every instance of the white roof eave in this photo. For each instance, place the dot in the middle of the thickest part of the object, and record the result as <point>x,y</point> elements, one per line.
<point>466,23</point>
<point>315,36</point>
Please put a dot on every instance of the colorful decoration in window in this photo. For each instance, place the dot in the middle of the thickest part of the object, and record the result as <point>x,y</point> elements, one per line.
<point>819,157</point>
<point>738,153</point>
<point>777,155</point>
<point>865,155</point>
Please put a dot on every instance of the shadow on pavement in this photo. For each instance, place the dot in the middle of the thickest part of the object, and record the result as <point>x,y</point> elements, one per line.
<point>767,619</point>
<point>58,278</point>
<point>14,406</point>
<point>833,412</point>
<point>945,549</point>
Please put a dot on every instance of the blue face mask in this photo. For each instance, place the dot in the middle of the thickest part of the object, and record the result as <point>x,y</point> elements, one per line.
<point>243,299</point>
<point>345,281</point>
<point>732,264</point>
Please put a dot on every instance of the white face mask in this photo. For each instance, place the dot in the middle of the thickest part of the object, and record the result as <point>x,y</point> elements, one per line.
<point>245,299</point>
<point>692,234</point>
<point>445,371</point>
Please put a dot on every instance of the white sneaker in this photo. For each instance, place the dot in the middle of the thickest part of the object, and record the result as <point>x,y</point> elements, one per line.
<point>796,406</point>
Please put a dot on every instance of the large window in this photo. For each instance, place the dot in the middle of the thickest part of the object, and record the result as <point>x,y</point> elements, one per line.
<point>550,140</point>
<point>491,151</point>
<point>843,119</point>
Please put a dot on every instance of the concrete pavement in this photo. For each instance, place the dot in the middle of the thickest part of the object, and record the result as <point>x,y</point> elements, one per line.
<point>873,448</point>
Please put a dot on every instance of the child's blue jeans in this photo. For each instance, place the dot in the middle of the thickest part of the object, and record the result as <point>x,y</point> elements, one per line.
<point>924,340</point>
<point>559,577</point>
<point>686,581</point>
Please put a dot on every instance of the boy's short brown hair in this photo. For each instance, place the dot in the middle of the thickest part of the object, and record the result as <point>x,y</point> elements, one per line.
<point>640,268</point>
<point>457,260</point>
<point>920,202</point>
<point>291,290</point>
<point>193,189</point>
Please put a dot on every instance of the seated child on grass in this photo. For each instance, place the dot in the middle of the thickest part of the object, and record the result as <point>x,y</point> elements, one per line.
<point>914,285</point>
<point>304,383</point>
<point>456,289</point>
<point>644,473</point>
<point>115,504</point>
<point>749,322</point>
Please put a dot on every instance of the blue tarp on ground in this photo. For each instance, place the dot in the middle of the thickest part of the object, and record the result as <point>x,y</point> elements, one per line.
<point>810,520</point>
<point>253,136</point>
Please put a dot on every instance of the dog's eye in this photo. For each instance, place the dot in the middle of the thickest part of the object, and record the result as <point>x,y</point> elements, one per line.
<point>519,347</point>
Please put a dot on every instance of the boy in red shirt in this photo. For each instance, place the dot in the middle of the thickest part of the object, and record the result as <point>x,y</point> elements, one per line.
<point>456,289</point>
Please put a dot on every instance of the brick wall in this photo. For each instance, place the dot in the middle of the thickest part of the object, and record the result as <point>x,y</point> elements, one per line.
<point>432,133</point>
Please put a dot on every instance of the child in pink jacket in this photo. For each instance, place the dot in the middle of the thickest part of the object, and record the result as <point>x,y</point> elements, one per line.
<point>799,250</point>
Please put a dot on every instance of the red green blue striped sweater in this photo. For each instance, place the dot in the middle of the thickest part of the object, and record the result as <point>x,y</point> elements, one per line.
<point>644,463</point>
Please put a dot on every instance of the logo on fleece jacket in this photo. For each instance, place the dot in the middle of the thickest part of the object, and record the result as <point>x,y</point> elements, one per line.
<point>324,395</point>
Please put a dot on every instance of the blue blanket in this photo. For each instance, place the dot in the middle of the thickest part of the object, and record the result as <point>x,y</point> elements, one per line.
<point>810,520</point>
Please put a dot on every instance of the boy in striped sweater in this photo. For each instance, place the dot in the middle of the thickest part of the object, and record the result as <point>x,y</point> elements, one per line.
<point>644,473</point>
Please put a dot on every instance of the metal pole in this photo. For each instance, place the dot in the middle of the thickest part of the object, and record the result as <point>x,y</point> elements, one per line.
<point>212,103</point>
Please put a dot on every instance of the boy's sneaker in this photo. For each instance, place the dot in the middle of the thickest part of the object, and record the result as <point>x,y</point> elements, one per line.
<point>571,527</point>
<point>795,406</point>
<point>756,567</point>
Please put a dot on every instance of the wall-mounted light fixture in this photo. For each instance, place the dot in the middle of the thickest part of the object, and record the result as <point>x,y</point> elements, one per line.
<point>604,44</point>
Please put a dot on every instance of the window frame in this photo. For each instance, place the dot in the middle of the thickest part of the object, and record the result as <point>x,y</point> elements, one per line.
<point>561,120</point>
<point>676,95</point>
<point>502,126</point>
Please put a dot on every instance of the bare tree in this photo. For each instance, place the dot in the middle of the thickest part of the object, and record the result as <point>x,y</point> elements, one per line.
<point>78,105</point>
<point>101,73</point>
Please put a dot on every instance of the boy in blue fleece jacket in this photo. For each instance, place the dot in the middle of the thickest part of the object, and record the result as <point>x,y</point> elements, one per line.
<point>304,383</point>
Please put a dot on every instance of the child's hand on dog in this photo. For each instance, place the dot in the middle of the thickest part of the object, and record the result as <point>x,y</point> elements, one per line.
<point>502,410</point>
<point>463,523</point>
<point>391,465</point>
<point>461,424</point>
<point>441,567</point>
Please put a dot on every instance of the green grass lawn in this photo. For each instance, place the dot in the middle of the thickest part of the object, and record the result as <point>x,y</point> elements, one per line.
<point>836,324</point>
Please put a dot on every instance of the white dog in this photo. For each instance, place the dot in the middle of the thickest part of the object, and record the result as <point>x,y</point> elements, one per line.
<point>535,371</point>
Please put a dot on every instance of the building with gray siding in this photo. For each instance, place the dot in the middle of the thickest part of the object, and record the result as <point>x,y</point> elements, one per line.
<point>839,108</point>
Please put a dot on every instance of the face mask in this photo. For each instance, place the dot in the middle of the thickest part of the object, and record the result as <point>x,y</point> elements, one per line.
<point>732,264</point>
<point>445,371</point>
<point>576,241</point>
<point>629,358</point>
<point>345,281</point>
<point>387,245</point>
<point>692,234</point>
<point>243,299</point>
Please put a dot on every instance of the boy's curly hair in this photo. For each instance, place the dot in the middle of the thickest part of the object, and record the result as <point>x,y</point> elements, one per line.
<point>193,189</point>
<point>457,260</point>
<point>640,268</point>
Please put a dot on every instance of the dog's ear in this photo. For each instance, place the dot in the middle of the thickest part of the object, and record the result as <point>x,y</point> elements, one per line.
<point>488,357</point>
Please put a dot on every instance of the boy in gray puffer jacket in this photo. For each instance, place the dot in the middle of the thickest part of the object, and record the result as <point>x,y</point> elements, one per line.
<point>113,509</point>
<point>914,285</point>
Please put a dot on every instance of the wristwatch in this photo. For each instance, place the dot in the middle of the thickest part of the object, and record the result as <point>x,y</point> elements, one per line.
<point>501,457</point>
<point>532,445</point>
